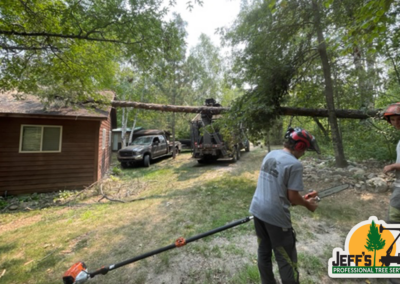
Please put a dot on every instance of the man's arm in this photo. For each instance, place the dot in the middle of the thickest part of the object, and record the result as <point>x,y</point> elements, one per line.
<point>392,167</point>
<point>296,199</point>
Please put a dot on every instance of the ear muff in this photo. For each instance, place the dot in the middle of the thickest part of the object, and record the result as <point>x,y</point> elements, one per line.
<point>300,146</point>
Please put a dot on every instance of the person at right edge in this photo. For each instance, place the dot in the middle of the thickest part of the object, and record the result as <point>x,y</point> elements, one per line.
<point>278,187</point>
<point>392,115</point>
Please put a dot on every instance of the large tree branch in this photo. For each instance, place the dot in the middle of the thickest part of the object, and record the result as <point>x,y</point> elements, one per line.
<point>340,113</point>
<point>19,48</point>
<point>68,36</point>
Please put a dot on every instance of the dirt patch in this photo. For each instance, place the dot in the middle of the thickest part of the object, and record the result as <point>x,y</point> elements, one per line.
<point>20,222</point>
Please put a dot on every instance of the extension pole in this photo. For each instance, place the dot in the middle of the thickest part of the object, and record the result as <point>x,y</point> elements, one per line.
<point>178,243</point>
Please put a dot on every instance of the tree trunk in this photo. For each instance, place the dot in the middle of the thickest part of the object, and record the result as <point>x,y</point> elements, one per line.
<point>133,128</point>
<point>124,121</point>
<point>340,113</point>
<point>336,138</point>
<point>321,127</point>
<point>173,126</point>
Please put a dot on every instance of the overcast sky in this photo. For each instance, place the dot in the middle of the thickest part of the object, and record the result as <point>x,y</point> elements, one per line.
<point>206,18</point>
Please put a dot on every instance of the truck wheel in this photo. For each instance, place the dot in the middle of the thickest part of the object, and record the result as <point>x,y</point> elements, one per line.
<point>146,161</point>
<point>177,152</point>
<point>247,147</point>
<point>237,154</point>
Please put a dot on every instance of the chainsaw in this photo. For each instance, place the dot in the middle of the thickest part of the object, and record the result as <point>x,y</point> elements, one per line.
<point>324,193</point>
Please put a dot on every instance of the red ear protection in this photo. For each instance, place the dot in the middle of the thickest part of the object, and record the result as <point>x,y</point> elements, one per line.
<point>300,146</point>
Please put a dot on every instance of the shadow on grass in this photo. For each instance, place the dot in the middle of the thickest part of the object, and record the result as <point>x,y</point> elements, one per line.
<point>6,248</point>
<point>193,169</point>
<point>152,163</point>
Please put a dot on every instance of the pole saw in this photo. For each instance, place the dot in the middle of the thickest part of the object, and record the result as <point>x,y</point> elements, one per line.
<point>78,272</point>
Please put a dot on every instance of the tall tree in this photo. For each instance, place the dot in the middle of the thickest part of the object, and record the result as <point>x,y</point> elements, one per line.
<point>207,70</point>
<point>130,86</point>
<point>289,48</point>
<point>329,92</point>
<point>273,46</point>
<point>169,76</point>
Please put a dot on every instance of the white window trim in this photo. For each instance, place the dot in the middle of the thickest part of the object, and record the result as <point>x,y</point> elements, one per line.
<point>41,140</point>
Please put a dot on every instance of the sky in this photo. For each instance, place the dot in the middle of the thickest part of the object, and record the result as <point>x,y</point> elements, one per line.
<point>206,18</point>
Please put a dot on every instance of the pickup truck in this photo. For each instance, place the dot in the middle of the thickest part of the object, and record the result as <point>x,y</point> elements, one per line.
<point>146,146</point>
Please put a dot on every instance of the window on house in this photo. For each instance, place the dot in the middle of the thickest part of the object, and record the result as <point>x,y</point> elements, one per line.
<point>40,138</point>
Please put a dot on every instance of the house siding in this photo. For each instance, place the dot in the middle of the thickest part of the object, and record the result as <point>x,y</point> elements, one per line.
<point>104,155</point>
<point>74,167</point>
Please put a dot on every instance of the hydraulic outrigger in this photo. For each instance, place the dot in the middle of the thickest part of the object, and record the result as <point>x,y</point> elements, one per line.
<point>388,259</point>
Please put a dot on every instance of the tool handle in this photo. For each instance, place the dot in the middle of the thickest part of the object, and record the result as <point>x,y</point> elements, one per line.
<point>311,194</point>
<point>105,269</point>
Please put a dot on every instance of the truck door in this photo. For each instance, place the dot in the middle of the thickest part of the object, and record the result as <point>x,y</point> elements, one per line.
<point>155,145</point>
<point>163,147</point>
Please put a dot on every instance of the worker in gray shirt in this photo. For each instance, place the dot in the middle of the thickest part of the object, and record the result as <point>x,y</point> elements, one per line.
<point>392,115</point>
<point>279,183</point>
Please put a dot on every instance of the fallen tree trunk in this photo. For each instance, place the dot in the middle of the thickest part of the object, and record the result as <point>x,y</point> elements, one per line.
<point>170,108</point>
<point>340,113</point>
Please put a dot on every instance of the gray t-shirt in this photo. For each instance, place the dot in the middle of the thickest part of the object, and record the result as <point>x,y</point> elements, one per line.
<point>279,172</point>
<point>395,198</point>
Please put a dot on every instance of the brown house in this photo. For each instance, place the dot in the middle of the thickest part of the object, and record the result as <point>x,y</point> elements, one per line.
<point>50,148</point>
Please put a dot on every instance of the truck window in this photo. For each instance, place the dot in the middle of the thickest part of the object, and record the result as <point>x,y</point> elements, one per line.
<point>162,140</point>
<point>143,140</point>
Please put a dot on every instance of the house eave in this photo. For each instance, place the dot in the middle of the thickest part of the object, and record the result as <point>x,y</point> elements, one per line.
<point>52,116</point>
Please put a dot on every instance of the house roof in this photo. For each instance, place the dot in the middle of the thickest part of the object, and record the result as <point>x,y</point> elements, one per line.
<point>15,105</point>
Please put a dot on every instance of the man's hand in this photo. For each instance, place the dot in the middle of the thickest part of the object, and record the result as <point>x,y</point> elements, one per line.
<point>296,199</point>
<point>312,204</point>
<point>311,194</point>
<point>388,168</point>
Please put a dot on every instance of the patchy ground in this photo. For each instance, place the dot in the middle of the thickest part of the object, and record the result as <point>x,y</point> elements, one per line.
<point>219,259</point>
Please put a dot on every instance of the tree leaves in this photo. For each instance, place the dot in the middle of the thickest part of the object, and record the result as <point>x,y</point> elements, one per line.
<point>71,47</point>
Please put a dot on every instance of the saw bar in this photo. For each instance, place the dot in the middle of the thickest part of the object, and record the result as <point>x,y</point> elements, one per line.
<point>332,190</point>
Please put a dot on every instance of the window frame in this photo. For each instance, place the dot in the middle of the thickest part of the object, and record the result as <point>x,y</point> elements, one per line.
<point>42,126</point>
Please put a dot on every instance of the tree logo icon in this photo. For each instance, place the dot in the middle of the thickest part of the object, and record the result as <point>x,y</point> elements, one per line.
<point>374,240</point>
<point>370,251</point>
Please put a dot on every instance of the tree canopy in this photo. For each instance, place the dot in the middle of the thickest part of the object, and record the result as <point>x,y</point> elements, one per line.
<point>313,54</point>
<point>72,48</point>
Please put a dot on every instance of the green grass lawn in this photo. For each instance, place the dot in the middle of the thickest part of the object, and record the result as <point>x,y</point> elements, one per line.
<point>181,198</point>
<point>170,199</point>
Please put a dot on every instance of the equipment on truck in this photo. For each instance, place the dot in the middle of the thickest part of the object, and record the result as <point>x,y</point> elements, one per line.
<point>211,141</point>
<point>78,272</point>
<point>388,259</point>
